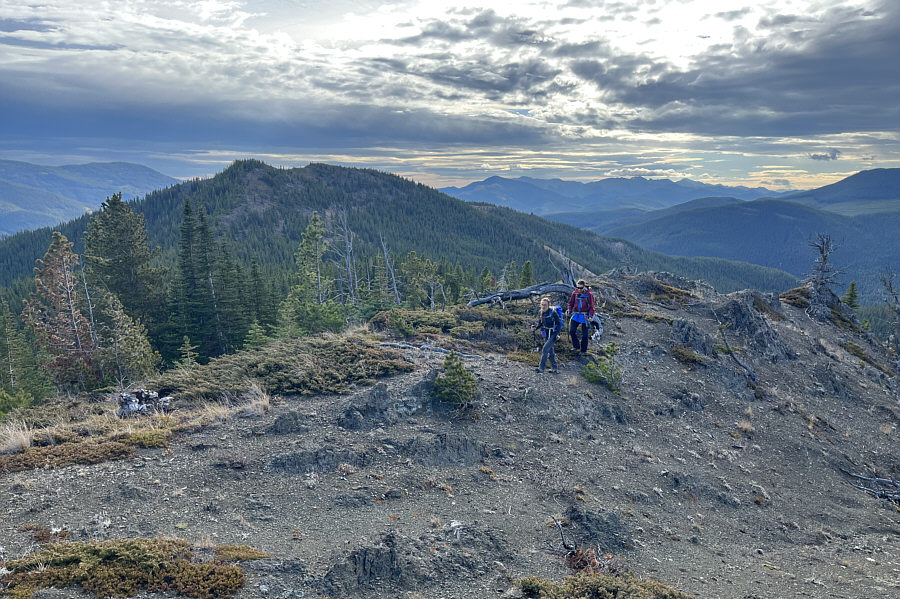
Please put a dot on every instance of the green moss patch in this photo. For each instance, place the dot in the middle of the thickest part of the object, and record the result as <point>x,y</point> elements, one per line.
<point>56,456</point>
<point>121,568</point>
<point>598,586</point>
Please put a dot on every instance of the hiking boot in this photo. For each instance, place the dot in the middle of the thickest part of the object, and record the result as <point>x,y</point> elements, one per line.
<point>554,371</point>
<point>541,370</point>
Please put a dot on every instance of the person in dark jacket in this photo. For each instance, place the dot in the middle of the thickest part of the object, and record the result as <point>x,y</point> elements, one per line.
<point>550,324</point>
<point>581,309</point>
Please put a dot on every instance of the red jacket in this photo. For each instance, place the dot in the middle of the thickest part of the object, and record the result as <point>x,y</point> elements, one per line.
<point>582,302</point>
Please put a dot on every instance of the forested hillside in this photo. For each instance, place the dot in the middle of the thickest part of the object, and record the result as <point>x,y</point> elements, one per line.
<point>208,267</point>
<point>34,195</point>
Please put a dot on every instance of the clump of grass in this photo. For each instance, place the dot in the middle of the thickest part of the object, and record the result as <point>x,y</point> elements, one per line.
<point>838,319</point>
<point>587,585</point>
<point>120,568</point>
<point>15,437</point>
<point>797,297</point>
<point>149,438</point>
<point>687,356</point>
<point>857,351</point>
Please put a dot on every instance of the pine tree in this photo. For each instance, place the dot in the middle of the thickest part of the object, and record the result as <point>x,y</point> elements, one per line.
<point>526,278</point>
<point>305,311</point>
<point>126,349</point>
<point>851,297</point>
<point>256,336</point>
<point>54,312</point>
<point>188,353</point>
<point>456,385</point>
<point>118,259</point>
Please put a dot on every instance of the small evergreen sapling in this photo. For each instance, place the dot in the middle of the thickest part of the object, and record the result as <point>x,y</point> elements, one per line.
<point>456,385</point>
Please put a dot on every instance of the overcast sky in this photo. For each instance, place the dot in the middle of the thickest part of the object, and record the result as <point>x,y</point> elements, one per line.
<point>782,93</point>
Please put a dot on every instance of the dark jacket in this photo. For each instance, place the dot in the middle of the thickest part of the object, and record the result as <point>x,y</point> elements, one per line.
<point>550,321</point>
<point>582,302</point>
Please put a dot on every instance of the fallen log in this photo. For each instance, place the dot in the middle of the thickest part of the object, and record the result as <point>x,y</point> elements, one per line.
<point>527,293</point>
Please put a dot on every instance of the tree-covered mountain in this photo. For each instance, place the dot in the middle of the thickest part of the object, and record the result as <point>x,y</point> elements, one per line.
<point>33,196</point>
<point>866,192</point>
<point>546,196</point>
<point>263,211</point>
<point>606,220</point>
<point>773,233</point>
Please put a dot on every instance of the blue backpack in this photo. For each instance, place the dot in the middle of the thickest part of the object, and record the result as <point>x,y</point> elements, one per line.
<point>559,312</point>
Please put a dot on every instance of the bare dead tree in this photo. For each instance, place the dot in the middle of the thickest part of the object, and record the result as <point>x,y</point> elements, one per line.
<point>389,268</point>
<point>824,274</point>
<point>346,255</point>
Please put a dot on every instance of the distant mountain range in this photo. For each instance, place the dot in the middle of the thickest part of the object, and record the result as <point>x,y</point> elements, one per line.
<point>34,196</point>
<point>263,212</point>
<point>861,213</point>
<point>548,196</point>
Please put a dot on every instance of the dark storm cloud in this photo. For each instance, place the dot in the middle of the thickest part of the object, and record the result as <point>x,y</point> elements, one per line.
<point>830,154</point>
<point>322,124</point>
<point>846,79</point>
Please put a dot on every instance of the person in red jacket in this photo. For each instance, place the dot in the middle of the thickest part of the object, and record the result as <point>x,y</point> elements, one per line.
<point>581,309</point>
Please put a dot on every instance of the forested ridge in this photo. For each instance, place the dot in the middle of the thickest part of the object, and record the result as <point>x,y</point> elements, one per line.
<point>208,267</point>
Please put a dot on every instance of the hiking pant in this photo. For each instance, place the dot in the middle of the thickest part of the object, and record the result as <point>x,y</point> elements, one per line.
<point>547,351</point>
<point>585,334</point>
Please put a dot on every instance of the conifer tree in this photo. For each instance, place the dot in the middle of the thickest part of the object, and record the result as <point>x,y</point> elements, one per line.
<point>117,259</point>
<point>526,278</point>
<point>20,375</point>
<point>126,348</point>
<point>851,297</point>
<point>54,312</point>
<point>305,311</point>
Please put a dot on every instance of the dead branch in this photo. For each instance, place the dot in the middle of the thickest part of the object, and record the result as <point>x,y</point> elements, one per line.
<point>886,488</point>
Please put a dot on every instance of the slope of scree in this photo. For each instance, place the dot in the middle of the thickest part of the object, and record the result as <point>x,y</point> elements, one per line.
<point>720,467</point>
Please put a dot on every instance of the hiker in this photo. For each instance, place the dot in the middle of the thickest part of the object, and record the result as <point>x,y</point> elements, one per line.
<point>581,309</point>
<point>550,324</point>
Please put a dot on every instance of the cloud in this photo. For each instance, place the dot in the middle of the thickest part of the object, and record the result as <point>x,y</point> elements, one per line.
<point>840,75</point>
<point>830,154</point>
<point>645,172</point>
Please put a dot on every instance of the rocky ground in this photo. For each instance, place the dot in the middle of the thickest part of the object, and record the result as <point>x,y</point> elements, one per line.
<point>721,474</point>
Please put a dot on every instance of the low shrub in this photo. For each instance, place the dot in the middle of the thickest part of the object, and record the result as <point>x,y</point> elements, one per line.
<point>687,356</point>
<point>56,456</point>
<point>308,366</point>
<point>587,585</point>
<point>121,568</point>
<point>455,385</point>
<point>797,297</point>
<point>602,370</point>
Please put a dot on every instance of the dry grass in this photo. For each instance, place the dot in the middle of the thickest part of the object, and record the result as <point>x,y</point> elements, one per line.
<point>15,437</point>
